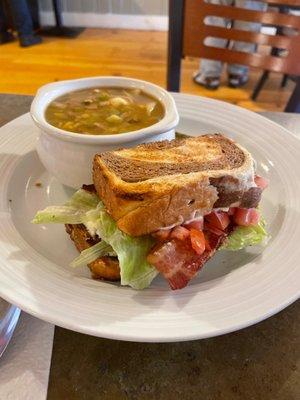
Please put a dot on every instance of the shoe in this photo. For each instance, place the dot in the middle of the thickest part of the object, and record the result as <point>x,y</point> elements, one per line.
<point>210,82</point>
<point>29,40</point>
<point>6,37</point>
<point>237,81</point>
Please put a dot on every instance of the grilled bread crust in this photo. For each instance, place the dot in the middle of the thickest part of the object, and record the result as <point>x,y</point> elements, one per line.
<point>161,184</point>
<point>103,267</point>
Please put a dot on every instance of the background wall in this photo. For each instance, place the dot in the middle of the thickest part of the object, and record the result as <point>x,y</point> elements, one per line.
<point>134,14</point>
<point>140,7</point>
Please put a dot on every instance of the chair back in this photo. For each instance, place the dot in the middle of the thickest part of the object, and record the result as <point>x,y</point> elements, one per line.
<point>195,31</point>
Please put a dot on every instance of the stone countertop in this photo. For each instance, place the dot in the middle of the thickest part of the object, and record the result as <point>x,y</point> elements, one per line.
<point>257,363</point>
<point>12,106</point>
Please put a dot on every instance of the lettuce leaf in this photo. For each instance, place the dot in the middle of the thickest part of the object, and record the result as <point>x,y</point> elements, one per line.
<point>83,199</point>
<point>59,215</point>
<point>90,254</point>
<point>132,252</point>
<point>73,212</point>
<point>244,236</point>
<point>84,207</point>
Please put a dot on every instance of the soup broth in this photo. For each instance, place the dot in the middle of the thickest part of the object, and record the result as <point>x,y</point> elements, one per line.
<point>104,111</point>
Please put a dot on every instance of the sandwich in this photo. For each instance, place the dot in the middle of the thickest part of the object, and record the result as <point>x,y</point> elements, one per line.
<point>163,208</point>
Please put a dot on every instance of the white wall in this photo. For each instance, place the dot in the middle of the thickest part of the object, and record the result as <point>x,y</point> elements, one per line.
<point>135,7</point>
<point>132,14</point>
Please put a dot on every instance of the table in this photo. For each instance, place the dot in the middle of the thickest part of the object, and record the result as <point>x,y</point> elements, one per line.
<point>260,362</point>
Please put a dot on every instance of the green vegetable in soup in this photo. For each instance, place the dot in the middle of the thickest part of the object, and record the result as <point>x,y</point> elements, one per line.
<point>104,111</point>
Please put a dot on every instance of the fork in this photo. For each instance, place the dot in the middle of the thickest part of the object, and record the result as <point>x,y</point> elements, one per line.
<point>9,316</point>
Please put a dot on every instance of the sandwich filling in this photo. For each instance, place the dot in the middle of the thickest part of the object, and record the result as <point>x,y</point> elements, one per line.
<point>176,252</point>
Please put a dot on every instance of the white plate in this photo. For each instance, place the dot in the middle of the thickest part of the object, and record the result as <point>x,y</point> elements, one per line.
<point>233,291</point>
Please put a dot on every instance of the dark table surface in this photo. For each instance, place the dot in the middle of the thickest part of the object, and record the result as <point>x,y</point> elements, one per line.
<point>260,362</point>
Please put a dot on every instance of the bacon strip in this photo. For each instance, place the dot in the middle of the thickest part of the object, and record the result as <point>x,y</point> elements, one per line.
<point>178,262</point>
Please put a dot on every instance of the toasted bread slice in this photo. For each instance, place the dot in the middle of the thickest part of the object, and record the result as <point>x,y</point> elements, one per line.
<point>103,267</point>
<point>163,184</point>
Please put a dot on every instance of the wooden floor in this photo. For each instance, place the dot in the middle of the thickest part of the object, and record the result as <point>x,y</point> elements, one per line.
<point>138,54</point>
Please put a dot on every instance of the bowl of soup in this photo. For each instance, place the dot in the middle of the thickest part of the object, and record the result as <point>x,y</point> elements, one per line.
<point>82,117</point>
<point>104,111</point>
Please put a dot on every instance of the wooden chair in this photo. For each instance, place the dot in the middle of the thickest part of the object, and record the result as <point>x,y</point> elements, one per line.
<point>284,9</point>
<point>187,32</point>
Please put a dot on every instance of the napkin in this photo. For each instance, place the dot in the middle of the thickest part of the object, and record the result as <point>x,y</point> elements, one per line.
<point>25,365</point>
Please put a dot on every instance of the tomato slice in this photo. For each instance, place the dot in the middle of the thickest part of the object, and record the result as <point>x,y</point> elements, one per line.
<point>246,216</point>
<point>214,230</point>
<point>180,233</point>
<point>218,219</point>
<point>198,241</point>
<point>231,210</point>
<point>261,182</point>
<point>196,224</point>
<point>207,245</point>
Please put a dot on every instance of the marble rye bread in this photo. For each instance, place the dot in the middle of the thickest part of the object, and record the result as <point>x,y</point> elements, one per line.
<point>161,184</point>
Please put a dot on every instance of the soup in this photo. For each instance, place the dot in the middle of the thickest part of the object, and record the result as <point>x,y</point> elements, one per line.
<point>104,111</point>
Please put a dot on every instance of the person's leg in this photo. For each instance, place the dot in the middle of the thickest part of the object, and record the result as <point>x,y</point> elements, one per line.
<point>238,74</point>
<point>3,21</point>
<point>5,35</point>
<point>23,22</point>
<point>210,70</point>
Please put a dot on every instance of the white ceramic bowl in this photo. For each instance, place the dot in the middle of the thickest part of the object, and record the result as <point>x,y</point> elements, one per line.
<point>68,156</point>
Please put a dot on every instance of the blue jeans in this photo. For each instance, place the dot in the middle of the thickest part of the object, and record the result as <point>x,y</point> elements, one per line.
<point>3,20</point>
<point>21,15</point>
<point>212,68</point>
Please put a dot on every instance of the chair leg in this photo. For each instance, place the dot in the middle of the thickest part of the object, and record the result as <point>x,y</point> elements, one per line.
<point>284,80</point>
<point>259,85</point>
<point>293,104</point>
<point>57,8</point>
<point>175,34</point>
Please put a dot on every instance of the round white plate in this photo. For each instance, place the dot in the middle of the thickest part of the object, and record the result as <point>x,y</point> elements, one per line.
<point>233,291</point>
